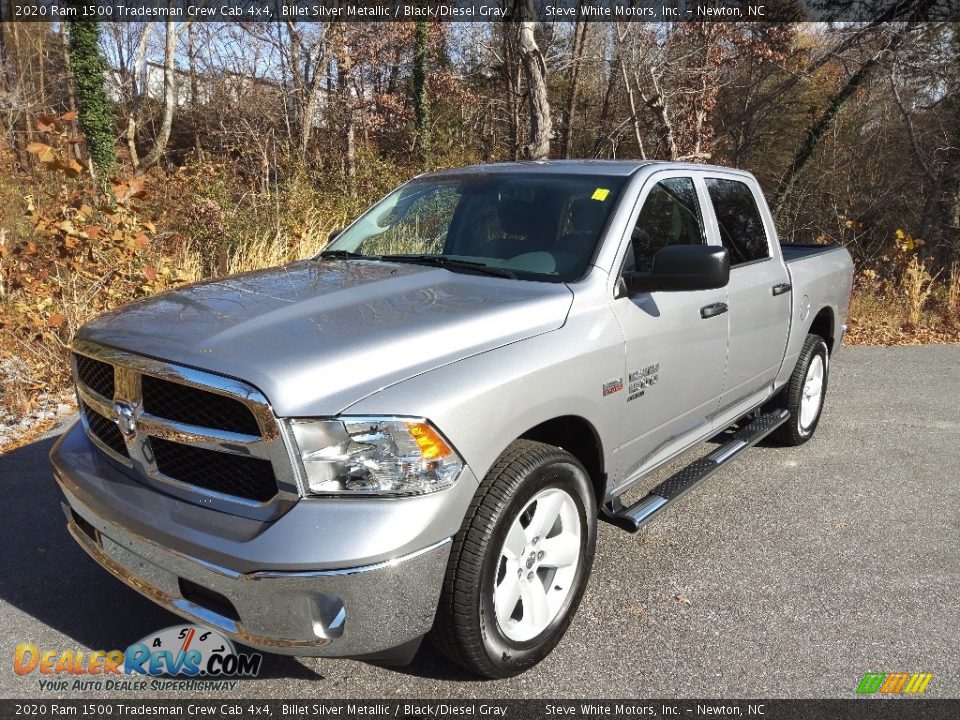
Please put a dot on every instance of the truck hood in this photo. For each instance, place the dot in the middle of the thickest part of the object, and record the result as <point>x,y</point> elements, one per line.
<point>316,337</point>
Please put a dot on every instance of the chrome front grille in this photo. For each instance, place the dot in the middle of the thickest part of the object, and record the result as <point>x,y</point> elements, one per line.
<point>105,431</point>
<point>235,475</point>
<point>98,376</point>
<point>188,405</point>
<point>201,436</point>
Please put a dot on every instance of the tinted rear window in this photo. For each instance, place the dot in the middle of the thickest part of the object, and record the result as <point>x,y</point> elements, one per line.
<point>741,227</point>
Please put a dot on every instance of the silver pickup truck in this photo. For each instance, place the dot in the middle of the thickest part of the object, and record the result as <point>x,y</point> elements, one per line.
<point>415,432</point>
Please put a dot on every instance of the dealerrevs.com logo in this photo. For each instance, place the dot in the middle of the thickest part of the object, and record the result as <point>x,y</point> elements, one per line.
<point>182,657</point>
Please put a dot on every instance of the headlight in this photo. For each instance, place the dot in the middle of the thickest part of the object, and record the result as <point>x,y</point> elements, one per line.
<point>374,456</point>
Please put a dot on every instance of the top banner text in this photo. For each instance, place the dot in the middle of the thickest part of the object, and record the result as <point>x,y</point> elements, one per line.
<point>766,11</point>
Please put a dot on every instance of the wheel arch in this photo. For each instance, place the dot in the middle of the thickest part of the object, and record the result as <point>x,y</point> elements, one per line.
<point>580,438</point>
<point>824,325</point>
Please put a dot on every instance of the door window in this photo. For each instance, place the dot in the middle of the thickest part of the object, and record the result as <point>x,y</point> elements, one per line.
<point>670,216</point>
<point>741,228</point>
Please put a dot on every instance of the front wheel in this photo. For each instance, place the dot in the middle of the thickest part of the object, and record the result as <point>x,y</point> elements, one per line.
<point>804,393</point>
<point>519,564</point>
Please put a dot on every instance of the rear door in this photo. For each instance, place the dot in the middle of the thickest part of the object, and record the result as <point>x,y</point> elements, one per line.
<point>674,356</point>
<point>758,295</point>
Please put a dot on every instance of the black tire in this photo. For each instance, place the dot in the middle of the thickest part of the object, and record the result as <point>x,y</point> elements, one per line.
<point>466,629</point>
<point>794,432</point>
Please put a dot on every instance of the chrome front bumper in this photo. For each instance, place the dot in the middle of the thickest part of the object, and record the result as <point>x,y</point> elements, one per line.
<point>366,610</point>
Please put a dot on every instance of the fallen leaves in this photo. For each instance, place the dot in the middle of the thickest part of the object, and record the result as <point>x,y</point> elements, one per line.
<point>126,190</point>
<point>29,436</point>
<point>878,316</point>
<point>890,336</point>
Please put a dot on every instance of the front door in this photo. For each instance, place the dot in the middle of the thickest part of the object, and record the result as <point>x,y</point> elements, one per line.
<point>675,357</point>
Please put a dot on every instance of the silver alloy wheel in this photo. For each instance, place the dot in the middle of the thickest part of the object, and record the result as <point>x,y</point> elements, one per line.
<point>812,397</point>
<point>538,564</point>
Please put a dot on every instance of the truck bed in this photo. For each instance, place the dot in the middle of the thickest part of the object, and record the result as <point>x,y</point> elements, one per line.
<point>821,276</point>
<point>801,251</point>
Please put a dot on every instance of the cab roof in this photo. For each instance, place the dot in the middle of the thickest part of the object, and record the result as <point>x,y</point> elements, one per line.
<point>614,168</point>
<point>621,168</point>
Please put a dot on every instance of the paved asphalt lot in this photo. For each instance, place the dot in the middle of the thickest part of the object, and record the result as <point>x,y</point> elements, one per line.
<point>791,573</point>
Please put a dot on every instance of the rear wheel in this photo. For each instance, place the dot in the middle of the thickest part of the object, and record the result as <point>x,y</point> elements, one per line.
<point>519,564</point>
<point>804,393</point>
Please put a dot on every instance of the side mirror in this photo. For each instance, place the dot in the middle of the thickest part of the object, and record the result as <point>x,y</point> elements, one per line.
<point>333,235</point>
<point>683,267</point>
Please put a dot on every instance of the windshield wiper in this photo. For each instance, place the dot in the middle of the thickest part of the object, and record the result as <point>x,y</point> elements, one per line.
<point>451,264</point>
<point>342,254</point>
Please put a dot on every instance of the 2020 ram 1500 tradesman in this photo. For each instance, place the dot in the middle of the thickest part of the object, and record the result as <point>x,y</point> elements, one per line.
<point>415,431</point>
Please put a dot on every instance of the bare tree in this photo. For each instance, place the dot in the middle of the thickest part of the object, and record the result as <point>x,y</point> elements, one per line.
<point>135,90</point>
<point>819,126</point>
<point>169,93</point>
<point>925,86</point>
<point>573,80</point>
<point>308,57</point>
<point>535,73</point>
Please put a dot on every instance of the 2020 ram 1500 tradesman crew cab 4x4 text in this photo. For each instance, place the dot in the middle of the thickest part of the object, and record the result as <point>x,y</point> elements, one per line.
<point>415,431</point>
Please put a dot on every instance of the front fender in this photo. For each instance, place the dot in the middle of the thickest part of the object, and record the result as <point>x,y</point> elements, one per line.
<point>483,403</point>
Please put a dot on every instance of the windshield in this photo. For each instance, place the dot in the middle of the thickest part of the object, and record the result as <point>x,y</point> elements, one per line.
<point>535,226</point>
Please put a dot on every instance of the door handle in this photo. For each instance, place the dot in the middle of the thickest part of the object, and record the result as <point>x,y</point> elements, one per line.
<point>781,288</point>
<point>709,311</point>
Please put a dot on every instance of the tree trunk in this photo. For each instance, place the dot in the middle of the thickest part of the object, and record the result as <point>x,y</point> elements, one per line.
<point>310,110</point>
<point>634,120</point>
<point>511,77</point>
<point>95,112</point>
<point>535,72</point>
<point>346,106</point>
<point>658,104</point>
<point>71,94</point>
<point>579,39</point>
<point>169,99</point>
<point>136,95</point>
<point>8,60</point>
<point>603,122</point>
<point>21,85</point>
<point>299,92</point>
<point>192,59</point>
<point>421,103</point>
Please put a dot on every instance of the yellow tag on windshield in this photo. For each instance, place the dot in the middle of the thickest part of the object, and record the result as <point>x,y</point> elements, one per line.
<point>600,194</point>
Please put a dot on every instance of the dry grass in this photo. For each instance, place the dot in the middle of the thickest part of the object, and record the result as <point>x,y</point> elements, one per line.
<point>278,248</point>
<point>916,286</point>
<point>888,315</point>
<point>17,383</point>
<point>185,263</point>
<point>953,293</point>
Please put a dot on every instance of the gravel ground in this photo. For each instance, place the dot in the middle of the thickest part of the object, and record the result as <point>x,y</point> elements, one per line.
<point>44,411</point>
<point>791,573</point>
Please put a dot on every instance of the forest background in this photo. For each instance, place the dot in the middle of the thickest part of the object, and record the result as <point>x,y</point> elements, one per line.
<point>135,157</point>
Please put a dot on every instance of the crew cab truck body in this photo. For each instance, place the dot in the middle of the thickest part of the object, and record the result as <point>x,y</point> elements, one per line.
<point>416,431</point>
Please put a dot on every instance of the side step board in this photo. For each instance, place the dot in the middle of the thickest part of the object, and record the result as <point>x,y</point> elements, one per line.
<point>671,489</point>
